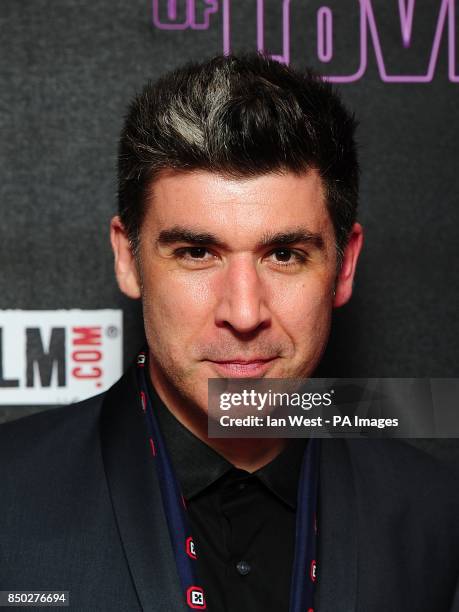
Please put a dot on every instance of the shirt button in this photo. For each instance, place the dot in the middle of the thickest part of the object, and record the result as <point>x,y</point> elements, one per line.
<point>243,568</point>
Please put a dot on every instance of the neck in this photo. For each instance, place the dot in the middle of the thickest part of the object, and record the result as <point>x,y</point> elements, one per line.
<point>249,454</point>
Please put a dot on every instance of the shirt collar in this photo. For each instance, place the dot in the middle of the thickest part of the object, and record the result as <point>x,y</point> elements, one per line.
<point>198,466</point>
<point>281,475</point>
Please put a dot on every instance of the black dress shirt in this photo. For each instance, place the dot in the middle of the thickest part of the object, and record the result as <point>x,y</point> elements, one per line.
<point>243,524</point>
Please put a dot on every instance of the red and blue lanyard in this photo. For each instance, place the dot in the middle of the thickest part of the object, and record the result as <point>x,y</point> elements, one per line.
<point>304,574</point>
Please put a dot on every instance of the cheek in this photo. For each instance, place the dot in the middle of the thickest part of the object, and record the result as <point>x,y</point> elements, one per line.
<point>304,311</point>
<point>175,304</point>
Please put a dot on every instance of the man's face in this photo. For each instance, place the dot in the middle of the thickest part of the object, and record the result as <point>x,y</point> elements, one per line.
<point>236,276</point>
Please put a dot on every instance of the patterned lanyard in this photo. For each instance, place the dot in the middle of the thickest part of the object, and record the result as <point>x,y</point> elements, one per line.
<point>304,573</point>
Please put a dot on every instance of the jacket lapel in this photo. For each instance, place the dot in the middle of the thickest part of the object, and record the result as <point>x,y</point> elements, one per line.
<point>136,499</point>
<point>338,533</point>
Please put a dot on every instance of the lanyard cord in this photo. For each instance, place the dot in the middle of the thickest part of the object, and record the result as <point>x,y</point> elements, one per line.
<point>304,574</point>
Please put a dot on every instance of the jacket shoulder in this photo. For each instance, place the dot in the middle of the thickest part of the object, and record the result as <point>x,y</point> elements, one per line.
<point>398,475</point>
<point>47,432</point>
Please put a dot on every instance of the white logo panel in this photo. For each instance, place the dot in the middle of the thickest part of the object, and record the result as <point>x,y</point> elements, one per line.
<point>58,356</point>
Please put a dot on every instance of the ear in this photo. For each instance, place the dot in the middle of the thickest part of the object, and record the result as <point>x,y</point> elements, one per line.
<point>126,271</point>
<point>343,289</point>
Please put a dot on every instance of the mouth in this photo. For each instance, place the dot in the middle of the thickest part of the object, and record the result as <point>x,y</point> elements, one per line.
<point>242,368</point>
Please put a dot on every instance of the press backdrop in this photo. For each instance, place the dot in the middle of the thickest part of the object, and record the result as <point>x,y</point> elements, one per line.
<point>68,70</point>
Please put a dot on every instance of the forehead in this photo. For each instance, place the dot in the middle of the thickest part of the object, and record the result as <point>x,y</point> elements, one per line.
<point>237,209</point>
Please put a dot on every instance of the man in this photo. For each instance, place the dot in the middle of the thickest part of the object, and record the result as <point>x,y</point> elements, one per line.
<point>238,185</point>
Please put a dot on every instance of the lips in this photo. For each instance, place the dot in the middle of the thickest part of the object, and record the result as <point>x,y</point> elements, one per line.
<point>240,368</point>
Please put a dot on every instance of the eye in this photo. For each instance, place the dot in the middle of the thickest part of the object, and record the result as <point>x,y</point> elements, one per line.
<point>196,252</point>
<point>192,254</point>
<point>288,257</point>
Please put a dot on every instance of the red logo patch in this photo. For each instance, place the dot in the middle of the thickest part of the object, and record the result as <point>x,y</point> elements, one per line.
<point>313,570</point>
<point>190,548</point>
<point>195,598</point>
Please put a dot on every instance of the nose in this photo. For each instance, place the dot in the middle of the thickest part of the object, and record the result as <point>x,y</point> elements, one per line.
<point>242,305</point>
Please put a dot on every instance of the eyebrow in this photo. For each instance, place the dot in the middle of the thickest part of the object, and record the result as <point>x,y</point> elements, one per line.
<point>184,234</point>
<point>284,238</point>
<point>300,235</point>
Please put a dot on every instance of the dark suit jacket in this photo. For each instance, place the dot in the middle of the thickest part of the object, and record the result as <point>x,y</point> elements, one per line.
<point>80,510</point>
